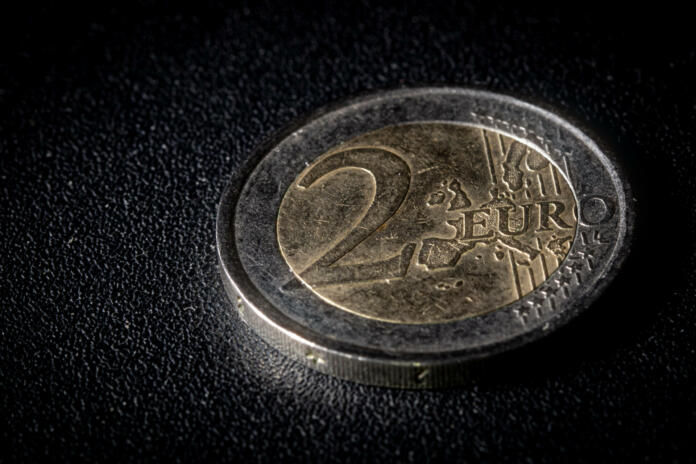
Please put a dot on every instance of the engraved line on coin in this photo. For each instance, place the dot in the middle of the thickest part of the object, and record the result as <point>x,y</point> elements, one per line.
<point>489,156</point>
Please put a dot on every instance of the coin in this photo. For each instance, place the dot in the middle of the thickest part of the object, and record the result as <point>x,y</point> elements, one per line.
<point>394,238</point>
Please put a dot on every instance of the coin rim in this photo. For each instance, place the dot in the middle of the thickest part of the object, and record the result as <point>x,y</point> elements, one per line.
<point>373,366</point>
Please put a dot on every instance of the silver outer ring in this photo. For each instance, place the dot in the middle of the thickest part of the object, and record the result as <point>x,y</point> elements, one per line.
<point>348,346</point>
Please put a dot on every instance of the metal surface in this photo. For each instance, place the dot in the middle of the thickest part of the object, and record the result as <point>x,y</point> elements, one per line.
<point>427,222</point>
<point>393,238</point>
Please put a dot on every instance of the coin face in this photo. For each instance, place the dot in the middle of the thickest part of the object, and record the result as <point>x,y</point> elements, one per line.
<point>427,222</point>
<point>393,238</point>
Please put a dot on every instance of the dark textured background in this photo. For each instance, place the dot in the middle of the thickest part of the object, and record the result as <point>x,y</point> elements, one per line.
<point>119,128</point>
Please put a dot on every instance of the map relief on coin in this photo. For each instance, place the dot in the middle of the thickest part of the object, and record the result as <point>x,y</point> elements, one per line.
<point>426,223</point>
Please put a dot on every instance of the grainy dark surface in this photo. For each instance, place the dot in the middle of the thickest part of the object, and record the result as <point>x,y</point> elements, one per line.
<point>118,131</point>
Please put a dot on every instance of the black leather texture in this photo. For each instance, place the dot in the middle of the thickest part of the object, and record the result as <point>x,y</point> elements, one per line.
<point>119,129</point>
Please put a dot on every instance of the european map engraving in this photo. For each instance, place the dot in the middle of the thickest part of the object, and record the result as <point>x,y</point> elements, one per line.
<point>431,222</point>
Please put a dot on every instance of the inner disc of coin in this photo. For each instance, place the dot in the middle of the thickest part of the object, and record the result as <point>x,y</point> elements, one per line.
<point>425,223</point>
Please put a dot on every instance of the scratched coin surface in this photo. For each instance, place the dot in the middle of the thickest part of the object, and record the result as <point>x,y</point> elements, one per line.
<point>427,222</point>
<point>394,238</point>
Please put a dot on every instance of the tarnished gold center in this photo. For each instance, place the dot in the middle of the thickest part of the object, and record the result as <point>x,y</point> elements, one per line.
<point>425,223</point>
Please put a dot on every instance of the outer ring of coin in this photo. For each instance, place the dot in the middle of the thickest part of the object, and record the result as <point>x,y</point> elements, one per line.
<point>349,346</point>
